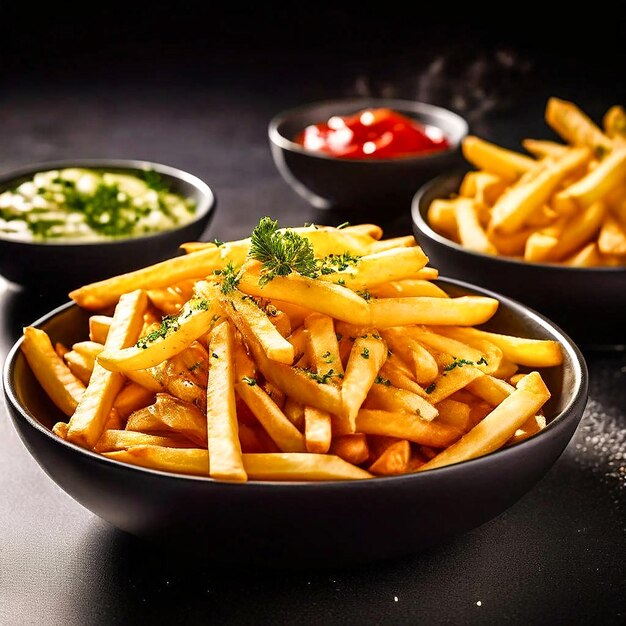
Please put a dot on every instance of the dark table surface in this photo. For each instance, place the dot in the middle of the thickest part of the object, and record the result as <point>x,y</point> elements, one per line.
<point>557,556</point>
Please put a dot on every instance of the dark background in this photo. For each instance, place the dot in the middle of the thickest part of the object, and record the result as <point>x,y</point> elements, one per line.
<point>195,85</point>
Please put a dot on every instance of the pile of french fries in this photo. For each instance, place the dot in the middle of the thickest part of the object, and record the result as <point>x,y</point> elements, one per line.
<point>367,369</point>
<point>565,203</point>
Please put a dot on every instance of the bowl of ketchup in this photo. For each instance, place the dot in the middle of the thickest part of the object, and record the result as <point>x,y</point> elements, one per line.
<point>364,154</point>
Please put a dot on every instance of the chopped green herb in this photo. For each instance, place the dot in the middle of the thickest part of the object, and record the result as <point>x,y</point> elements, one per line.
<point>218,243</point>
<point>337,263</point>
<point>343,225</point>
<point>379,380</point>
<point>321,379</point>
<point>328,357</point>
<point>249,381</point>
<point>366,353</point>
<point>457,363</point>
<point>230,278</point>
<point>482,361</point>
<point>201,305</point>
<point>376,336</point>
<point>154,180</point>
<point>430,388</point>
<point>365,294</point>
<point>215,355</point>
<point>341,282</point>
<point>169,325</point>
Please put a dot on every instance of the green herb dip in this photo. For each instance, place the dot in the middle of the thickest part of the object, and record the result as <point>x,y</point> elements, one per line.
<point>84,204</point>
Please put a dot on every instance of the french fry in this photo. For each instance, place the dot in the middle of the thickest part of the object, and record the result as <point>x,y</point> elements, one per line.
<point>587,256</point>
<point>322,344</point>
<point>366,358</point>
<point>301,466</point>
<point>456,414</point>
<point>60,429</point>
<point>522,350</point>
<point>351,448</point>
<point>451,380</point>
<point>487,156</point>
<point>62,386</point>
<point>222,428</point>
<point>406,426</point>
<point>471,233</point>
<point>174,335</point>
<point>424,368</point>
<point>594,186</point>
<point>533,190</point>
<point>442,217</point>
<point>285,466</point>
<point>580,229</point>
<point>107,292</point>
<point>87,421</point>
<point>403,241</point>
<point>394,460</point>
<point>323,297</point>
<point>542,148</point>
<point>251,320</point>
<point>131,398</point>
<point>614,122</point>
<point>286,436</point>
<point>574,126</point>
<point>317,430</point>
<point>612,237</point>
<point>80,365</point>
<point>389,398</point>
<point>170,415</point>
<point>99,327</point>
<point>373,269</point>
<point>483,187</point>
<point>464,310</point>
<point>123,439</point>
<point>61,349</point>
<point>530,427</point>
<point>499,426</point>
<point>408,287</point>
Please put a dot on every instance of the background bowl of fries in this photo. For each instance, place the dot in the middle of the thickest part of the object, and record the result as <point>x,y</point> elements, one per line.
<point>311,521</point>
<point>329,182</point>
<point>547,228</point>
<point>62,265</point>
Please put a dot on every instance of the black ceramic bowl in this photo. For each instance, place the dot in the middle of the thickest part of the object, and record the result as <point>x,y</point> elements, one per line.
<point>62,265</point>
<point>300,524</point>
<point>587,303</point>
<point>360,184</point>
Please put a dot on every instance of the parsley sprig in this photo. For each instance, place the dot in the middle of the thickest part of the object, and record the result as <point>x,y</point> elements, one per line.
<point>281,252</point>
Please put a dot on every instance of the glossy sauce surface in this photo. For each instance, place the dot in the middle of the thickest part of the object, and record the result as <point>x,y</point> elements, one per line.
<point>375,133</point>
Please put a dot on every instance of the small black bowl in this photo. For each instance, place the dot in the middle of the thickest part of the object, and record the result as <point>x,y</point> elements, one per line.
<point>52,266</point>
<point>589,303</point>
<point>300,524</point>
<point>327,182</point>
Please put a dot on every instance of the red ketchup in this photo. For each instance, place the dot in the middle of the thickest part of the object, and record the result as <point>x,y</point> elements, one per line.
<point>372,134</point>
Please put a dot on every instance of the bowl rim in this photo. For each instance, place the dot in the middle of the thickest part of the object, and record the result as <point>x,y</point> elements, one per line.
<point>578,393</point>
<point>399,104</point>
<point>205,206</point>
<point>424,227</point>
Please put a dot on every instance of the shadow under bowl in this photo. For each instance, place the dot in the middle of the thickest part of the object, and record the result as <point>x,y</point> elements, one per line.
<point>588,303</point>
<point>300,524</point>
<point>327,182</point>
<point>63,266</point>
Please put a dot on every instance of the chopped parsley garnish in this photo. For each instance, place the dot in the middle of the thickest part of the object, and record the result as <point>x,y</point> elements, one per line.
<point>249,381</point>
<point>215,355</point>
<point>366,353</point>
<point>218,242</point>
<point>341,282</point>
<point>154,180</point>
<point>201,305</point>
<point>281,252</point>
<point>365,294</point>
<point>169,325</point>
<point>321,379</point>
<point>482,361</point>
<point>343,225</point>
<point>230,278</point>
<point>461,363</point>
<point>337,263</point>
<point>430,388</point>
<point>328,357</point>
<point>379,380</point>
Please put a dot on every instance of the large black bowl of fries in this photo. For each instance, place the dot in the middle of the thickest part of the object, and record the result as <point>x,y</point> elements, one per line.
<point>67,222</point>
<point>547,228</point>
<point>334,409</point>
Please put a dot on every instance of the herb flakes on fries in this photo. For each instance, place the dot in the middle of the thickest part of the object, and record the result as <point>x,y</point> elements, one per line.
<point>301,354</point>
